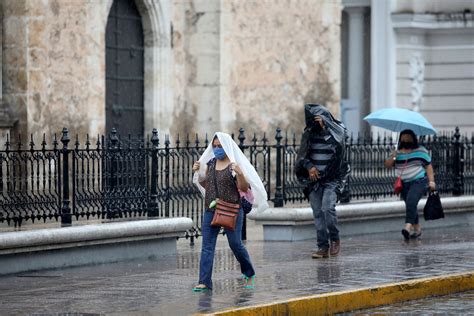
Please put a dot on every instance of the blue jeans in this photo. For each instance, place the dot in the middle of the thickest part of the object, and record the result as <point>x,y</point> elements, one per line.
<point>209,238</point>
<point>323,202</point>
<point>411,193</point>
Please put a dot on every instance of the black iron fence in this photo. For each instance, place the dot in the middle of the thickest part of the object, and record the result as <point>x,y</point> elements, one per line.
<point>115,178</point>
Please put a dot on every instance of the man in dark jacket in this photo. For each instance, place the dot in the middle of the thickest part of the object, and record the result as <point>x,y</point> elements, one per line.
<point>320,165</point>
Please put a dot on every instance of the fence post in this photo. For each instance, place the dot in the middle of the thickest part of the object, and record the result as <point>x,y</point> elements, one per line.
<point>112,212</point>
<point>458,187</point>
<point>242,148</point>
<point>278,201</point>
<point>167,176</point>
<point>66,209</point>
<point>153,202</point>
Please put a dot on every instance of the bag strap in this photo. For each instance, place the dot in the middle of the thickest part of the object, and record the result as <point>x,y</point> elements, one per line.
<point>404,167</point>
<point>215,179</point>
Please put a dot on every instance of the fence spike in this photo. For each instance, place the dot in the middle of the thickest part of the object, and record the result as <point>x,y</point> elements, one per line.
<point>187,140</point>
<point>197,141</point>
<point>264,140</point>
<point>7,143</point>
<point>32,143</point>
<point>88,142</point>
<point>254,138</point>
<point>43,143</point>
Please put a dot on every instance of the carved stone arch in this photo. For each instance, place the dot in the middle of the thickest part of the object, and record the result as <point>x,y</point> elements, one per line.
<point>158,98</point>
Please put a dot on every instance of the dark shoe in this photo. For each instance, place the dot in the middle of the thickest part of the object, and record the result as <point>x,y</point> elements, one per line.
<point>415,235</point>
<point>405,234</point>
<point>335,247</point>
<point>321,253</point>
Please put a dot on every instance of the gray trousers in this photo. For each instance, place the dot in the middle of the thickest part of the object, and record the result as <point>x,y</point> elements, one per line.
<point>323,202</point>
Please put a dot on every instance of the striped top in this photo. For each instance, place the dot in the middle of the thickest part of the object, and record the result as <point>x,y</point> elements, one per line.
<point>323,149</point>
<point>411,166</point>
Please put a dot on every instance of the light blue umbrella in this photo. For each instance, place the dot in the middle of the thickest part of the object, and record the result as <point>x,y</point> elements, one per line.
<point>397,120</point>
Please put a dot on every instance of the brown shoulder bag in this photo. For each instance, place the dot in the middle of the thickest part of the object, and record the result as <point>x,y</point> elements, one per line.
<point>225,214</point>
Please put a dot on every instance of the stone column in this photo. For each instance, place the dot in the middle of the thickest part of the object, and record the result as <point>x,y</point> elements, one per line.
<point>383,76</point>
<point>356,77</point>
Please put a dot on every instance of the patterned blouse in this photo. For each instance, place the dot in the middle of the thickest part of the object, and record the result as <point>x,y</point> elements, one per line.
<point>226,184</point>
<point>411,166</point>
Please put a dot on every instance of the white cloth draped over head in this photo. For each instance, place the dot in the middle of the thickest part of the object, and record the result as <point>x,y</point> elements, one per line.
<point>235,155</point>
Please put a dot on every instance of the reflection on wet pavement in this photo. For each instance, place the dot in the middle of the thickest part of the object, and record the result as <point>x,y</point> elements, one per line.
<point>162,286</point>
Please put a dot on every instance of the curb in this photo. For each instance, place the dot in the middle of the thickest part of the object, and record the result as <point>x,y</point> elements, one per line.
<point>350,300</point>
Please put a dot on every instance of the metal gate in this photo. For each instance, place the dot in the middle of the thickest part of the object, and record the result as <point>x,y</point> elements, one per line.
<point>124,69</point>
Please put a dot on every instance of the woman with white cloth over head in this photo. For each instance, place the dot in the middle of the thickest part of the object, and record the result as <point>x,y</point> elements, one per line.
<point>232,172</point>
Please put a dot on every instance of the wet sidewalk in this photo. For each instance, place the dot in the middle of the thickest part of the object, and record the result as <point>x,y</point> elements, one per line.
<point>162,286</point>
<point>454,304</point>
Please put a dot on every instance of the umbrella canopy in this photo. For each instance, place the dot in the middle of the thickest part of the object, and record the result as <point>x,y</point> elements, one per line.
<point>397,120</point>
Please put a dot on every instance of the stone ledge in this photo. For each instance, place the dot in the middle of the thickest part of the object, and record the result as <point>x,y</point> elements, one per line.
<point>89,244</point>
<point>289,224</point>
<point>358,211</point>
<point>92,234</point>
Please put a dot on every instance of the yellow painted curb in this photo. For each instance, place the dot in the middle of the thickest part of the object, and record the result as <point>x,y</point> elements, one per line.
<point>345,301</point>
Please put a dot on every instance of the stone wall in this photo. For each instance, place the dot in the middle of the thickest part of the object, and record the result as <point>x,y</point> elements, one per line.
<point>54,65</point>
<point>276,56</point>
<point>233,63</point>
<point>435,76</point>
<point>197,55</point>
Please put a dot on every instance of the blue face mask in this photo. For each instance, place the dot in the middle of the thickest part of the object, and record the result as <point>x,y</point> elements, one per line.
<point>219,153</point>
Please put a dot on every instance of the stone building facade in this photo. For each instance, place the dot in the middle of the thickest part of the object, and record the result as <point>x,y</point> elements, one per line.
<point>207,65</point>
<point>415,54</point>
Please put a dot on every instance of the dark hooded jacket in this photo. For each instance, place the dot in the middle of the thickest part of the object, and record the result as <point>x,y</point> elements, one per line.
<point>338,170</point>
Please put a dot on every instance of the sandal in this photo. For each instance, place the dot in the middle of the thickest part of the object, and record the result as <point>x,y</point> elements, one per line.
<point>252,284</point>
<point>200,288</point>
<point>415,235</point>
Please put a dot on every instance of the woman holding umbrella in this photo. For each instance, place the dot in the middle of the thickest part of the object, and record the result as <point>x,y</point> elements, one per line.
<point>413,164</point>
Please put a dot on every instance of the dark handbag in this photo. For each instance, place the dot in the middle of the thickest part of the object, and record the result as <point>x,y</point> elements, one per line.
<point>225,214</point>
<point>246,200</point>
<point>246,205</point>
<point>433,208</point>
